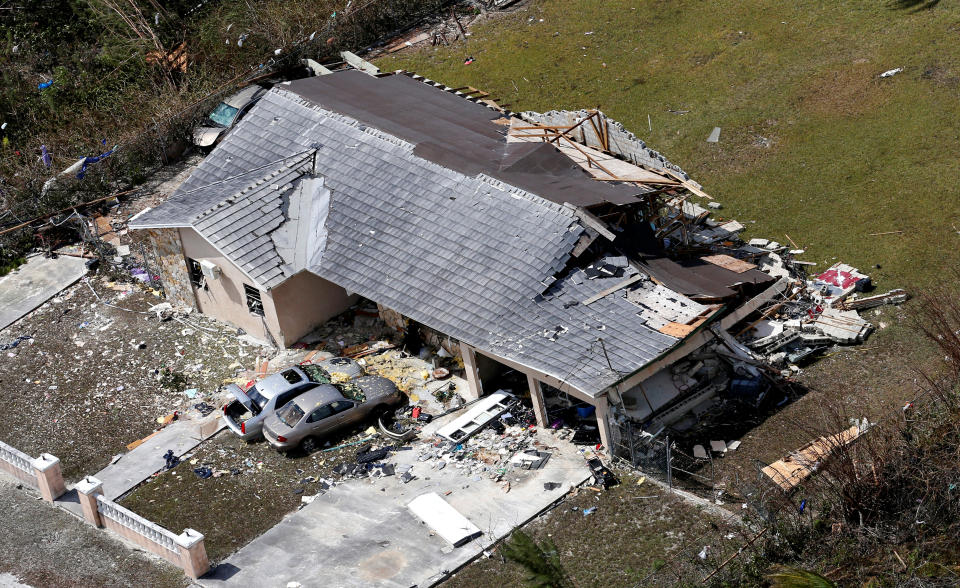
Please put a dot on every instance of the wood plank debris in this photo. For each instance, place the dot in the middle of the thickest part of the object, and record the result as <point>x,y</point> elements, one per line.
<point>731,263</point>
<point>799,465</point>
<point>892,297</point>
<point>842,326</point>
<point>359,63</point>
<point>612,289</point>
<point>592,221</point>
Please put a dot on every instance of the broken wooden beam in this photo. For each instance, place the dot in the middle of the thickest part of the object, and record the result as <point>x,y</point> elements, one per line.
<point>591,221</point>
<point>612,289</point>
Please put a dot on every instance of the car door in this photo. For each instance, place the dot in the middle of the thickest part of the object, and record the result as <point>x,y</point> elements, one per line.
<point>320,421</point>
<point>330,417</point>
<point>345,413</point>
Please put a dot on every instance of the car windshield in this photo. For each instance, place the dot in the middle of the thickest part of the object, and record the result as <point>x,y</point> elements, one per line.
<point>316,373</point>
<point>223,114</point>
<point>290,414</point>
<point>256,397</point>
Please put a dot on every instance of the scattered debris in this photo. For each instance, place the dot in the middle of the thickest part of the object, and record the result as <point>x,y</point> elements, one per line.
<point>891,72</point>
<point>170,459</point>
<point>714,135</point>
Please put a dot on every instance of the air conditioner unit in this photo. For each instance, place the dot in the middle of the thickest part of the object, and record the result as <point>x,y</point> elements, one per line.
<point>211,271</point>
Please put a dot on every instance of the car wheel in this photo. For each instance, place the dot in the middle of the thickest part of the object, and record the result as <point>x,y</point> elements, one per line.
<point>309,445</point>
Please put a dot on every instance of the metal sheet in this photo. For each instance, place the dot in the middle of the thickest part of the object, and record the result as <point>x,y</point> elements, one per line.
<point>443,518</point>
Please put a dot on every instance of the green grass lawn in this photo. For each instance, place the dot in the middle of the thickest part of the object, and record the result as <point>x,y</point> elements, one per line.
<point>814,144</point>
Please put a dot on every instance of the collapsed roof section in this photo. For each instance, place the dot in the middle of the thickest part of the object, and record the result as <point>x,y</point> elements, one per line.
<point>482,260</point>
<point>594,130</point>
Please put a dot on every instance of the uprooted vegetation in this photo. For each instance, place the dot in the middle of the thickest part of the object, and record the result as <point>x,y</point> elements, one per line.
<point>82,77</point>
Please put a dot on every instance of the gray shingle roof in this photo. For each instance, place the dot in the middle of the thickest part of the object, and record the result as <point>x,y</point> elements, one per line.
<point>469,256</point>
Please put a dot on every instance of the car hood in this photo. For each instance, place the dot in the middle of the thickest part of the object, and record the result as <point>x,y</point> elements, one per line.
<point>206,136</point>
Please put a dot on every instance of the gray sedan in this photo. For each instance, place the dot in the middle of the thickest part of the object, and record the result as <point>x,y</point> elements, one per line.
<point>244,416</point>
<point>303,421</point>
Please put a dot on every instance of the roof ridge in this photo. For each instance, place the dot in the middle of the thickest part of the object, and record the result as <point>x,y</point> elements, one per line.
<point>249,188</point>
<point>383,135</point>
<point>525,194</point>
<point>342,118</point>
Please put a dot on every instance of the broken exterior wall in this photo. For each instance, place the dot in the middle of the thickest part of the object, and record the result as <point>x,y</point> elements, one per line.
<point>224,297</point>
<point>305,301</point>
<point>168,249</point>
<point>434,338</point>
<point>393,319</point>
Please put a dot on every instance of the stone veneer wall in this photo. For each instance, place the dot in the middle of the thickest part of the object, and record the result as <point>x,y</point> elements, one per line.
<point>168,251</point>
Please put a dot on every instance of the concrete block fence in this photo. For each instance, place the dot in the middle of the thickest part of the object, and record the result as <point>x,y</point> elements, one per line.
<point>43,473</point>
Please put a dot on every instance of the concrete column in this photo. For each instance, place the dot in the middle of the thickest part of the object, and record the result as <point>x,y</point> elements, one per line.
<point>49,477</point>
<point>193,553</point>
<point>473,376</point>
<point>87,491</point>
<point>603,423</point>
<point>536,398</point>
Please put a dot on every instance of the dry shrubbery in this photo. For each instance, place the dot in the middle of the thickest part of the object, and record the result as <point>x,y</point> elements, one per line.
<point>884,510</point>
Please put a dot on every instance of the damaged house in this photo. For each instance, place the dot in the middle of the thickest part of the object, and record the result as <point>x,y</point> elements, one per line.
<point>536,243</point>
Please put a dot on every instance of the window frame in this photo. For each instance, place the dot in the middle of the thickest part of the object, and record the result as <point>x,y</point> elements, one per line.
<point>195,274</point>
<point>254,300</point>
<point>347,405</point>
<point>327,406</point>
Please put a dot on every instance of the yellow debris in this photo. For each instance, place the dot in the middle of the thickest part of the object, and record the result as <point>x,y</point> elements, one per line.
<point>339,377</point>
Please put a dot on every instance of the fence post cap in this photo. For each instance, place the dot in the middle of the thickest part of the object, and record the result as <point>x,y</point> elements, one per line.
<point>45,462</point>
<point>88,485</point>
<point>189,538</point>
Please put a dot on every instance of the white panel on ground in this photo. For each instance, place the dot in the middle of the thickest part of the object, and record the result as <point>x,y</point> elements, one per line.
<point>443,518</point>
<point>485,410</point>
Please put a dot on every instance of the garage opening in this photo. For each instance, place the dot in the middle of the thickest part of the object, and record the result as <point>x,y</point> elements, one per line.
<point>560,409</point>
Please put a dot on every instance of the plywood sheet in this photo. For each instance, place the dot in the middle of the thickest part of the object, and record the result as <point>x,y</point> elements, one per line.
<point>796,467</point>
<point>731,263</point>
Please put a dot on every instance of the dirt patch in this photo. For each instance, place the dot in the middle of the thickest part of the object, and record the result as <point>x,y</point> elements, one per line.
<point>850,91</point>
<point>941,75</point>
<point>89,381</point>
<point>45,546</point>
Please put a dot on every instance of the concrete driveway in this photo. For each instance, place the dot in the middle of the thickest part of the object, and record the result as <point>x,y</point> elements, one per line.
<point>34,282</point>
<point>360,533</point>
